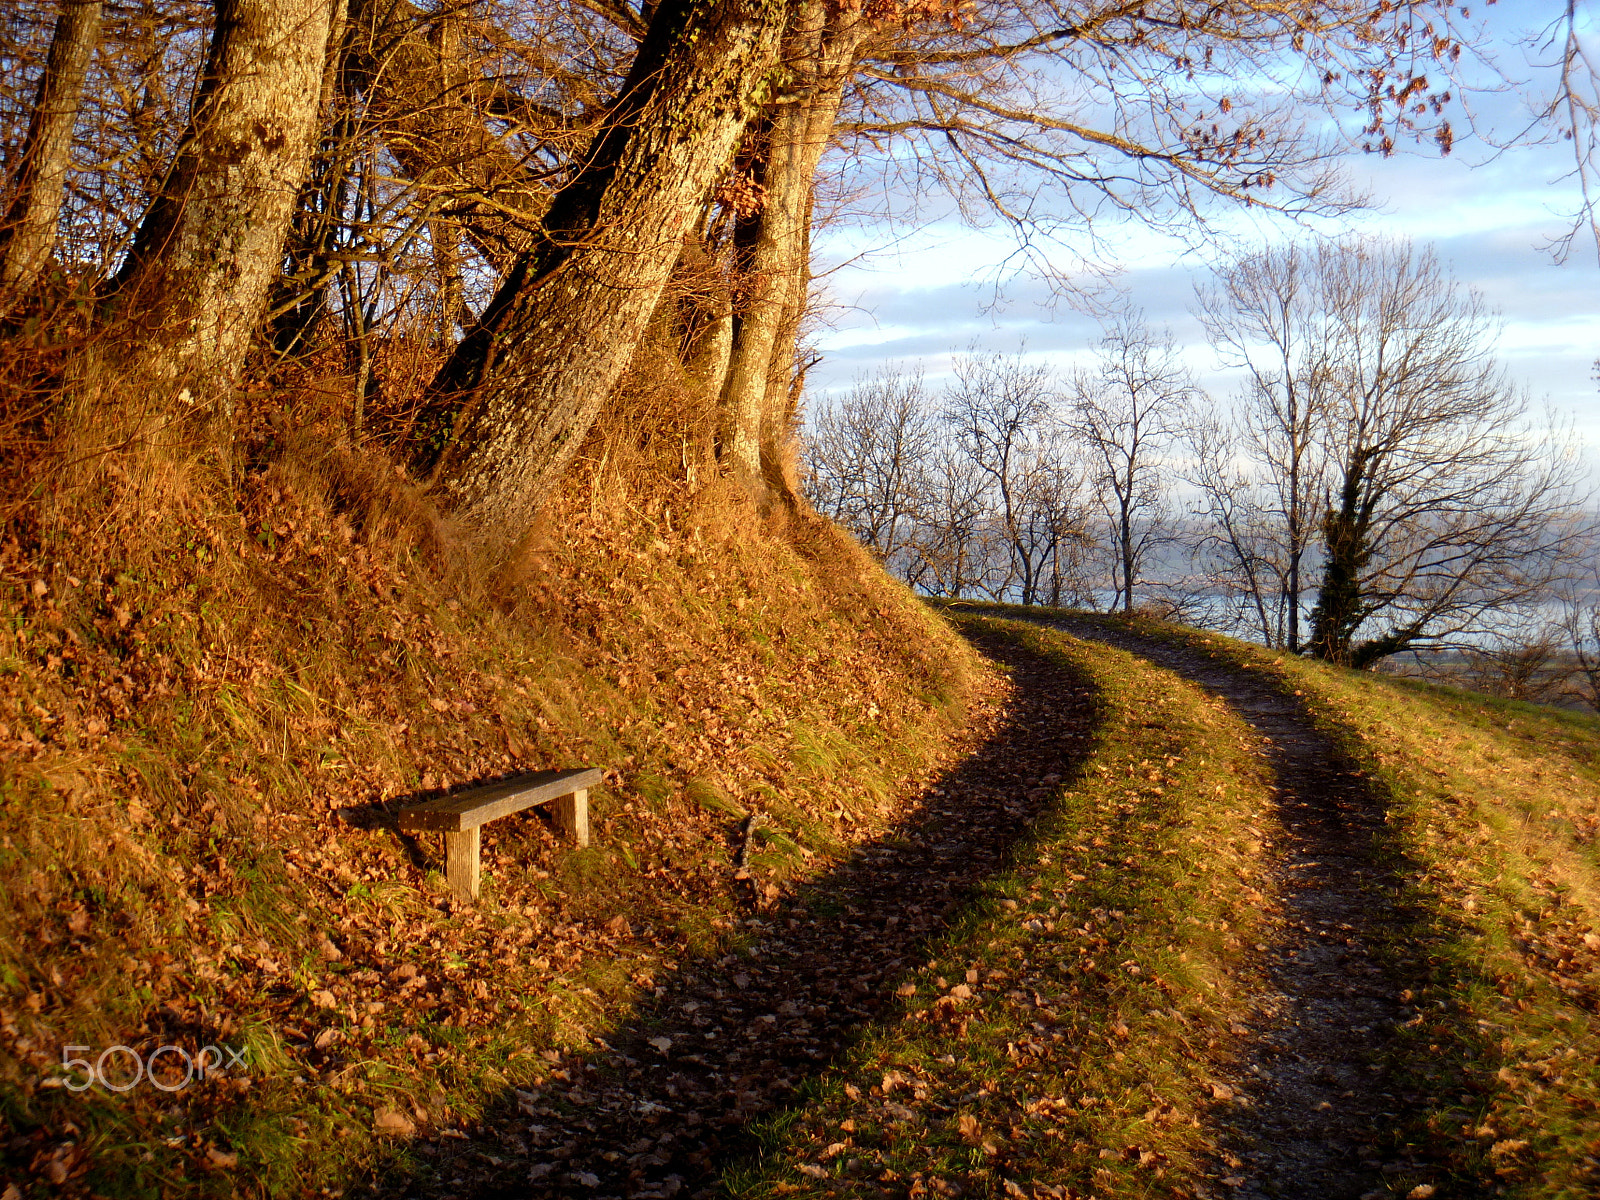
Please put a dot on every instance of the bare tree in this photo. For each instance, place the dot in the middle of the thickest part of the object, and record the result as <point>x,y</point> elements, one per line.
<point>1239,542</point>
<point>1260,473</point>
<point>1579,623</point>
<point>952,550</point>
<point>987,497</point>
<point>1000,410</point>
<point>1127,411</point>
<point>1446,504</point>
<point>868,456</point>
<point>1049,528</point>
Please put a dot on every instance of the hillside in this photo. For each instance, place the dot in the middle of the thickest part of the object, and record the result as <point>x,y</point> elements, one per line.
<point>214,698</point>
<point>1013,927</point>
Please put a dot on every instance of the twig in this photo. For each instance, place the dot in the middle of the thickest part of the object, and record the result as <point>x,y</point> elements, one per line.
<point>747,830</point>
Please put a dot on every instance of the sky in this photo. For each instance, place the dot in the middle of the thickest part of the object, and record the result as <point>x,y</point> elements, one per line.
<point>922,295</point>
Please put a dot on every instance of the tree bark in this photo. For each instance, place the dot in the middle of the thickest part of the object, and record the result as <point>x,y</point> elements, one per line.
<point>524,387</point>
<point>821,52</point>
<point>28,230</point>
<point>195,283</point>
<point>1341,607</point>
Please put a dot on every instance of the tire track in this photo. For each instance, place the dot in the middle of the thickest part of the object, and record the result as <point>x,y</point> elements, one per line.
<point>1315,1100</point>
<point>664,1103</point>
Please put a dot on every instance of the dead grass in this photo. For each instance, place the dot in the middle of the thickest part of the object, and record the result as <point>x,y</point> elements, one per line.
<point>217,686</point>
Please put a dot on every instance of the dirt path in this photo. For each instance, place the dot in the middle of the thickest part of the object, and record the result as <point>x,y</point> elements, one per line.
<point>662,1106</point>
<point>1314,1099</point>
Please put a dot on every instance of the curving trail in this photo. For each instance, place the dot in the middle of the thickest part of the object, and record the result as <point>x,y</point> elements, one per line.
<point>1313,1068</point>
<point>671,1100</point>
<point>664,1105</point>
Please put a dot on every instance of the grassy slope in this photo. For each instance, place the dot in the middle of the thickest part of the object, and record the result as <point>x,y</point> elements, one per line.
<point>213,698</point>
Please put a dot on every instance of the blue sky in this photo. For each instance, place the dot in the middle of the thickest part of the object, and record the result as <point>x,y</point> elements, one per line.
<point>1490,216</point>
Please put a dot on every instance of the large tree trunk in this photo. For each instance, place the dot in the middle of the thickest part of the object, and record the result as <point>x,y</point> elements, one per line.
<point>1341,606</point>
<point>786,378</point>
<point>195,284</point>
<point>28,230</point>
<point>820,53</point>
<point>524,387</point>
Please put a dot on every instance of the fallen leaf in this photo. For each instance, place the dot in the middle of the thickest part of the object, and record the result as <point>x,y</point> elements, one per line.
<point>662,1044</point>
<point>1221,1091</point>
<point>970,1130</point>
<point>1421,1192</point>
<point>812,1170</point>
<point>222,1160</point>
<point>386,1120</point>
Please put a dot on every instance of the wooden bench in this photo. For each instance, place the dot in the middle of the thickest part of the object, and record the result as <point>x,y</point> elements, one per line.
<point>460,816</point>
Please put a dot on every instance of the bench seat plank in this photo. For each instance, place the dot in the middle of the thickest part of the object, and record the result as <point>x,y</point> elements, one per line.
<point>469,809</point>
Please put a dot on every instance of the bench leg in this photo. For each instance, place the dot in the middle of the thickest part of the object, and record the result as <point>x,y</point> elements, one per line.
<point>572,817</point>
<point>461,862</point>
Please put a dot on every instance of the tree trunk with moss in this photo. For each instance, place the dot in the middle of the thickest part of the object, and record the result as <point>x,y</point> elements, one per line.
<point>28,230</point>
<point>511,407</point>
<point>194,287</point>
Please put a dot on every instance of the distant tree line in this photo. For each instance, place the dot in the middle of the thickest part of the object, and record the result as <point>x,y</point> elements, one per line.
<point>531,200</point>
<point>1378,486</point>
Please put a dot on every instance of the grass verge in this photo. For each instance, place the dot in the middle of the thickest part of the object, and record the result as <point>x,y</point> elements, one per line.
<point>216,693</point>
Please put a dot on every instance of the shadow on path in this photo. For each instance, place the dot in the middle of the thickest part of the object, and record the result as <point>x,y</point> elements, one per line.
<point>667,1103</point>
